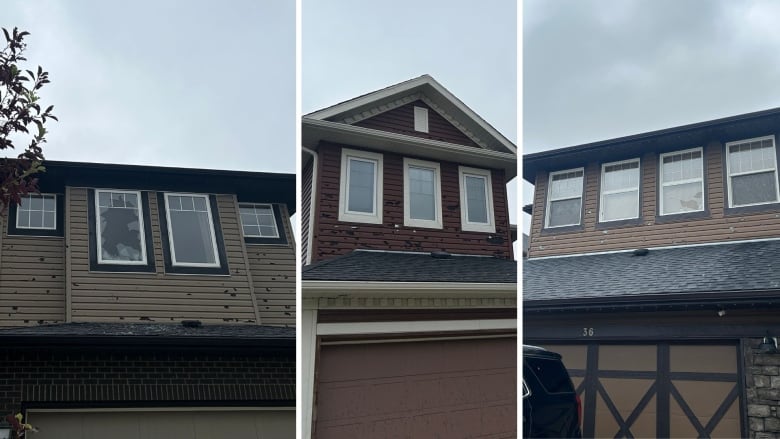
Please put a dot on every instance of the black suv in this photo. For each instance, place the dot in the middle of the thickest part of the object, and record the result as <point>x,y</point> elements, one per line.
<point>551,407</point>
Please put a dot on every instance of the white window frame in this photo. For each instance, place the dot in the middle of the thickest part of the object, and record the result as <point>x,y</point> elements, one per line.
<point>662,184</point>
<point>171,246</point>
<point>550,199</point>
<point>28,197</point>
<point>729,175</point>
<point>273,216</point>
<point>603,192</point>
<point>421,119</point>
<point>436,223</point>
<point>98,233</point>
<point>465,224</point>
<point>360,217</point>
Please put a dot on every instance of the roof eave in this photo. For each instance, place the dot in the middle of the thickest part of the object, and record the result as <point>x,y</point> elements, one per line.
<point>315,131</point>
<point>311,289</point>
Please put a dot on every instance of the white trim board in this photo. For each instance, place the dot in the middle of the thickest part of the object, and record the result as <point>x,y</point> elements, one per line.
<point>362,328</point>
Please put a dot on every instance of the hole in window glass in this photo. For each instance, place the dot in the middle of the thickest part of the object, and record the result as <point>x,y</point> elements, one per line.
<point>119,228</point>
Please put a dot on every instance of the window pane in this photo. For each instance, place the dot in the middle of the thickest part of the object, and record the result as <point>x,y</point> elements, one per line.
<point>23,218</point>
<point>36,203</point>
<point>117,200</point>
<point>754,188</point>
<point>266,220</point>
<point>566,185</point>
<point>104,199</point>
<point>621,176</point>
<point>361,186</point>
<point>422,203</point>
<point>267,231</point>
<point>565,213</point>
<point>192,238</point>
<point>131,200</point>
<point>475,200</point>
<point>752,156</point>
<point>621,205</point>
<point>187,203</point>
<point>49,204</point>
<point>120,233</point>
<point>684,166</point>
<point>682,198</point>
<point>48,220</point>
<point>36,219</point>
<point>248,219</point>
<point>199,204</point>
<point>251,230</point>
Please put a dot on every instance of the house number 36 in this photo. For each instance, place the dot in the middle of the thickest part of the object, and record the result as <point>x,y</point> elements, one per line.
<point>587,332</point>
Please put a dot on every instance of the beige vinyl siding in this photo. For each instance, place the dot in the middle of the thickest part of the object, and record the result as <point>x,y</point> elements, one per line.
<point>32,279</point>
<point>716,226</point>
<point>273,278</point>
<point>159,297</point>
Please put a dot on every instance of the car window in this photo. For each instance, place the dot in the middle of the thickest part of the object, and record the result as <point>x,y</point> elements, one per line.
<point>551,373</point>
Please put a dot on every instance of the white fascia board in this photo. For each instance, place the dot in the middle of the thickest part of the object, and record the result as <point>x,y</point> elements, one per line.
<point>368,328</point>
<point>315,131</point>
<point>324,288</point>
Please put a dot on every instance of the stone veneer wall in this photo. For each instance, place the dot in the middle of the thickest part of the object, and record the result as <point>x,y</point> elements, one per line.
<point>762,379</point>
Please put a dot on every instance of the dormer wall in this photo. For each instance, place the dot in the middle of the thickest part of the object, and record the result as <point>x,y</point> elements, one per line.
<point>716,222</point>
<point>333,237</point>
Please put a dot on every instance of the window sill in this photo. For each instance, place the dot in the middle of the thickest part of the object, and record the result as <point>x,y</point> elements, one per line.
<point>562,229</point>
<point>760,208</point>
<point>606,225</point>
<point>678,217</point>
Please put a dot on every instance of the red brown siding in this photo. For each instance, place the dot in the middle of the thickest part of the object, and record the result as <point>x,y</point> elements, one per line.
<point>333,237</point>
<point>401,120</point>
<point>716,226</point>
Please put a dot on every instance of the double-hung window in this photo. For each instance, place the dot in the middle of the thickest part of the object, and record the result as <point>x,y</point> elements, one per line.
<point>422,194</point>
<point>681,181</point>
<point>620,184</point>
<point>191,236</point>
<point>119,228</point>
<point>360,198</point>
<point>564,198</point>
<point>752,172</point>
<point>476,200</point>
<point>37,212</point>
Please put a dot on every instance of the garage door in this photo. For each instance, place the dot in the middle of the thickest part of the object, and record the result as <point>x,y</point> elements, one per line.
<point>656,390</point>
<point>162,424</point>
<point>433,389</point>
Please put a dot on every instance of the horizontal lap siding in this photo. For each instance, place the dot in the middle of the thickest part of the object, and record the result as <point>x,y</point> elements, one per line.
<point>717,226</point>
<point>333,237</point>
<point>273,278</point>
<point>401,120</point>
<point>160,297</point>
<point>32,279</point>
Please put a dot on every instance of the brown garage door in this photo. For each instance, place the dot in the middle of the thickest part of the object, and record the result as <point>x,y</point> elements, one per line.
<point>656,390</point>
<point>433,389</point>
<point>164,424</point>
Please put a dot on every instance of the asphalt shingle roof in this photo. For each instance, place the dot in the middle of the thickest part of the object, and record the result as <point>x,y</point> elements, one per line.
<point>374,266</point>
<point>752,266</point>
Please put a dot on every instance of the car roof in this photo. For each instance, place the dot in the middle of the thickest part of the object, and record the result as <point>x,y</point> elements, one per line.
<point>536,351</point>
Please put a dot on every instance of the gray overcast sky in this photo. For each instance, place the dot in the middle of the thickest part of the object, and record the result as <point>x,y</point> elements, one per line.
<point>599,69</point>
<point>194,84</point>
<point>352,47</point>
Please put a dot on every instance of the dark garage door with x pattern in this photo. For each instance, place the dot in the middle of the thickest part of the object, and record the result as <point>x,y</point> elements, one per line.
<point>656,390</point>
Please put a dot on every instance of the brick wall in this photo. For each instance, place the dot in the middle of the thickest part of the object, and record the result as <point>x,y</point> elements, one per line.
<point>762,374</point>
<point>29,377</point>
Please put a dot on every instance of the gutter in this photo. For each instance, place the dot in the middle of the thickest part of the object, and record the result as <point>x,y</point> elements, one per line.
<point>123,341</point>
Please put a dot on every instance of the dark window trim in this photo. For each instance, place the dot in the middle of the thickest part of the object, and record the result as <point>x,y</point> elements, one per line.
<point>280,228</point>
<point>222,270</point>
<point>565,229</point>
<point>684,216</point>
<point>119,268</point>
<point>767,207</point>
<point>59,218</point>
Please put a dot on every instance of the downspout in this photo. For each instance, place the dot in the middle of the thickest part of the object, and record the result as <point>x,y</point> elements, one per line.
<point>312,202</point>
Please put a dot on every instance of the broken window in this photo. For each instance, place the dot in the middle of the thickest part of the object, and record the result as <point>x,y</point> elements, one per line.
<point>120,232</point>
<point>682,182</point>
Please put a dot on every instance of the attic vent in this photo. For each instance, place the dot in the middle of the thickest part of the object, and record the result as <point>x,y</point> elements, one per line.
<point>440,255</point>
<point>191,323</point>
<point>641,252</point>
<point>421,119</point>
